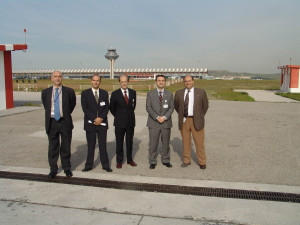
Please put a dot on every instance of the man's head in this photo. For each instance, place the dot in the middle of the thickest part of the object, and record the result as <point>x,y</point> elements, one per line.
<point>124,80</point>
<point>96,80</point>
<point>160,81</point>
<point>56,78</point>
<point>189,82</point>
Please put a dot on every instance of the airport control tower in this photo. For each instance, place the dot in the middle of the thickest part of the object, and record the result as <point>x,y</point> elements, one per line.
<point>111,55</point>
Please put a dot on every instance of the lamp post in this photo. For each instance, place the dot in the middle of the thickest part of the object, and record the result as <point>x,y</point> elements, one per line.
<point>111,55</point>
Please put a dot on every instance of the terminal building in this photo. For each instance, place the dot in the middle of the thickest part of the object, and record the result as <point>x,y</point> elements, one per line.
<point>105,73</point>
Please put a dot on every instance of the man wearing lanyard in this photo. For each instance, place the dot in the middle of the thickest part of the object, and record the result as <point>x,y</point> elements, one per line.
<point>59,102</point>
<point>95,105</point>
<point>160,106</point>
<point>122,106</point>
<point>191,104</point>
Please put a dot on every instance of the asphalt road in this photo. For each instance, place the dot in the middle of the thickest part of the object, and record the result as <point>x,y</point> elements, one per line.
<point>253,142</point>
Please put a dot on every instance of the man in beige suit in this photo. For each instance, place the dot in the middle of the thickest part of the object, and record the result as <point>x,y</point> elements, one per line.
<point>191,104</point>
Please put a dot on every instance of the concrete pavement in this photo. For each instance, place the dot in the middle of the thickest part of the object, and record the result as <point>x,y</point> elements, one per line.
<point>250,146</point>
<point>266,96</point>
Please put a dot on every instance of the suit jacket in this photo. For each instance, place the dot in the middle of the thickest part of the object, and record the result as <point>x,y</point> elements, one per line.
<point>68,105</point>
<point>155,109</point>
<point>90,108</point>
<point>123,113</point>
<point>200,107</point>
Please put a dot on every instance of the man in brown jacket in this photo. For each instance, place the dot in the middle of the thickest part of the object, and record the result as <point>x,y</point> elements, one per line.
<point>191,104</point>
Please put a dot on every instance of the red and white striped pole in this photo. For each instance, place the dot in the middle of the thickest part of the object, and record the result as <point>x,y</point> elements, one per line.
<point>6,83</point>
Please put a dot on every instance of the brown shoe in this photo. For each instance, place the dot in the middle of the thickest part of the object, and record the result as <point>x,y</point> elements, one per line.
<point>132,163</point>
<point>185,164</point>
<point>202,167</point>
<point>119,165</point>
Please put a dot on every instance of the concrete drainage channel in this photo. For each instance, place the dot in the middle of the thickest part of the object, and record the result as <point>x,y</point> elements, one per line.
<point>163,188</point>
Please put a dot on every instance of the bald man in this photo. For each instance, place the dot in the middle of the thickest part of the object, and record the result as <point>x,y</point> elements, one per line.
<point>191,104</point>
<point>122,106</point>
<point>59,102</point>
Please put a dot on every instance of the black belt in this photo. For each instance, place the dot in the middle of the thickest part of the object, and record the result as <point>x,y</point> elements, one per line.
<point>61,119</point>
<point>189,116</point>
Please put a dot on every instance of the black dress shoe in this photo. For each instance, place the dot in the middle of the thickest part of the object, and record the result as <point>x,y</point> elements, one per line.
<point>168,165</point>
<point>202,167</point>
<point>68,173</point>
<point>108,169</point>
<point>86,169</point>
<point>52,174</point>
<point>152,166</point>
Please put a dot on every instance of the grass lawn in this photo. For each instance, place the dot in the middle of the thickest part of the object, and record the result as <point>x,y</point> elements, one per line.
<point>224,89</point>
<point>216,89</point>
<point>295,96</point>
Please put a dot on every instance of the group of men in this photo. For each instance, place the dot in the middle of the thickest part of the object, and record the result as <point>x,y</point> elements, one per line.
<point>59,101</point>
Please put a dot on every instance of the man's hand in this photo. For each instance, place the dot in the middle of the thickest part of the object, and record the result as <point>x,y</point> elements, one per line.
<point>161,119</point>
<point>98,121</point>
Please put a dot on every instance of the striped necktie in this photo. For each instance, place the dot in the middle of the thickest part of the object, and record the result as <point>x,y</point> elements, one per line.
<point>160,97</point>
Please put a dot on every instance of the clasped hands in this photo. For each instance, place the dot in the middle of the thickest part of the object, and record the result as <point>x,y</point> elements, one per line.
<point>98,121</point>
<point>161,119</point>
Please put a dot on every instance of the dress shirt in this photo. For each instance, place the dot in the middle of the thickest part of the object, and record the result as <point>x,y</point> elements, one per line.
<point>162,92</point>
<point>127,92</point>
<point>95,90</point>
<point>191,101</point>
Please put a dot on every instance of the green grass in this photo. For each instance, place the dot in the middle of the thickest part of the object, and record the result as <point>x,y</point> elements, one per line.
<point>295,96</point>
<point>31,104</point>
<point>216,89</point>
<point>224,89</point>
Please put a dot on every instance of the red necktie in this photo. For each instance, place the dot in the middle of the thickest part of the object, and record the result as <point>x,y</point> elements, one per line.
<point>126,98</point>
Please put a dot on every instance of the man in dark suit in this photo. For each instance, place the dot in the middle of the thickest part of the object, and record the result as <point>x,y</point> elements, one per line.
<point>191,104</point>
<point>95,105</point>
<point>160,106</point>
<point>59,102</point>
<point>122,106</point>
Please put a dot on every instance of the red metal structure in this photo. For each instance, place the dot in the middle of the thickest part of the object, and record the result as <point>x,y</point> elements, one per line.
<point>6,83</point>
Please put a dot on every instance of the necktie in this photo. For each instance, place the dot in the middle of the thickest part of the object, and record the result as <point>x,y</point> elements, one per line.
<point>96,96</point>
<point>126,98</point>
<point>160,97</point>
<point>56,106</point>
<point>186,104</point>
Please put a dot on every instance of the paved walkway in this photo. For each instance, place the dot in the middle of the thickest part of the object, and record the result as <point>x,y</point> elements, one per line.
<point>266,96</point>
<point>250,146</point>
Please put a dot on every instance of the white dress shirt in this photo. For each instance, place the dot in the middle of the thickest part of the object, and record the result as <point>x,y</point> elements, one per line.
<point>94,90</point>
<point>127,92</point>
<point>191,101</point>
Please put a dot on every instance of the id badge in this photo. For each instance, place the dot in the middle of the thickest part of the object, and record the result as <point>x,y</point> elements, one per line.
<point>165,106</point>
<point>102,103</point>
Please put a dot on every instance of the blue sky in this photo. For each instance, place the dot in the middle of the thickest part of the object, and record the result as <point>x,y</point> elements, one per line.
<point>235,35</point>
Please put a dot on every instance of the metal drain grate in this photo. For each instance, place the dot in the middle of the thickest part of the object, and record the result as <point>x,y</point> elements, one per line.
<point>163,188</point>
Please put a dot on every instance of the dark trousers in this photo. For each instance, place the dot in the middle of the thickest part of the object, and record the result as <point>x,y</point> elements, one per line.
<point>91,142</point>
<point>58,131</point>
<point>120,133</point>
